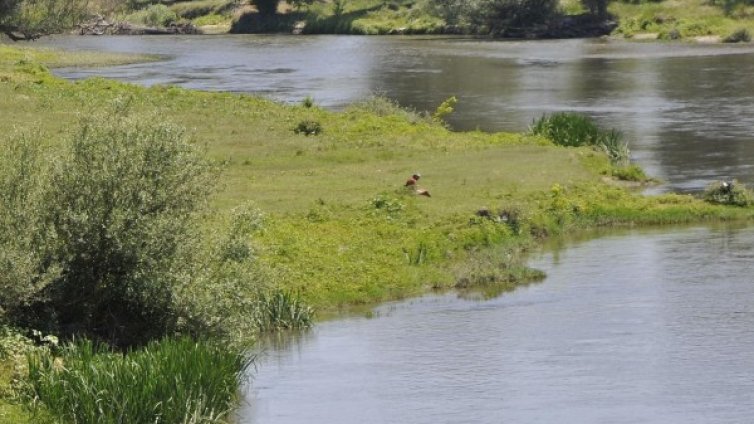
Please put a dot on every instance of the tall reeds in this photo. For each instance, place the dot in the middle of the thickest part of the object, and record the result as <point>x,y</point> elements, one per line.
<point>574,129</point>
<point>169,381</point>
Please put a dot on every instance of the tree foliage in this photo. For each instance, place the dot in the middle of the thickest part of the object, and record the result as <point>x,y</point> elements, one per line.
<point>495,16</point>
<point>596,7</point>
<point>267,7</point>
<point>500,15</point>
<point>29,19</point>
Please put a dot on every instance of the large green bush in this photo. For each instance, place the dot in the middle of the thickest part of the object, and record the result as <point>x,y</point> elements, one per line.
<point>93,238</point>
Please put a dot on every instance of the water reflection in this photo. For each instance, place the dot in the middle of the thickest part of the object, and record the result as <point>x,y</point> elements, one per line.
<point>686,108</point>
<point>642,327</point>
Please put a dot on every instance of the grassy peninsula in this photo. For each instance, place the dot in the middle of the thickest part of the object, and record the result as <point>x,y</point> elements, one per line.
<point>333,226</point>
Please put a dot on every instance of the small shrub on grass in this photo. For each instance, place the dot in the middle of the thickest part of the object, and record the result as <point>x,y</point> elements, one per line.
<point>167,381</point>
<point>728,193</point>
<point>741,35</point>
<point>308,102</point>
<point>308,128</point>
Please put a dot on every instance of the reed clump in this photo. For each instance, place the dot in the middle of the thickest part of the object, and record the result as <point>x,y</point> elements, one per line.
<point>574,130</point>
<point>167,381</point>
<point>282,310</point>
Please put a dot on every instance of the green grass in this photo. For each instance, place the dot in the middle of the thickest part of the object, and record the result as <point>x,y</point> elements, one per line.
<point>324,238</point>
<point>688,18</point>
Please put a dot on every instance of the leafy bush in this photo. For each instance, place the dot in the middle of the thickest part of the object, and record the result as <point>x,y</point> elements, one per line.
<point>34,18</point>
<point>168,381</point>
<point>573,129</point>
<point>155,15</point>
<point>728,193</point>
<point>101,228</point>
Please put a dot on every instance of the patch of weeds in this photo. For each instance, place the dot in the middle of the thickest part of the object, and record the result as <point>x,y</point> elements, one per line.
<point>391,206</point>
<point>308,128</point>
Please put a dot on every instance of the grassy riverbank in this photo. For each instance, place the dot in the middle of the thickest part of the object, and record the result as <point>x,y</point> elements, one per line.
<point>682,19</point>
<point>338,227</point>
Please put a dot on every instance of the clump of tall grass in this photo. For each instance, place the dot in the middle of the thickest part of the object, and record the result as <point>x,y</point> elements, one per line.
<point>728,193</point>
<point>631,173</point>
<point>282,310</point>
<point>574,129</point>
<point>740,35</point>
<point>168,381</point>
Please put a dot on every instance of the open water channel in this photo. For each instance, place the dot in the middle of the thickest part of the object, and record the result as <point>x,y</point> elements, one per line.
<point>640,327</point>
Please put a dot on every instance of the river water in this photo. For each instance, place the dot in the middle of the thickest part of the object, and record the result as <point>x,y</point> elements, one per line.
<point>685,108</point>
<point>641,327</point>
<point>644,327</point>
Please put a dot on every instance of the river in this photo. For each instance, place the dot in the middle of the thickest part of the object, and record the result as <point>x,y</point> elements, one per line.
<point>643,327</point>
<point>640,327</point>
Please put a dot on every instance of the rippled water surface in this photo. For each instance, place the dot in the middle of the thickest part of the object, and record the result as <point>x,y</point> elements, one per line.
<point>637,328</point>
<point>686,108</point>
